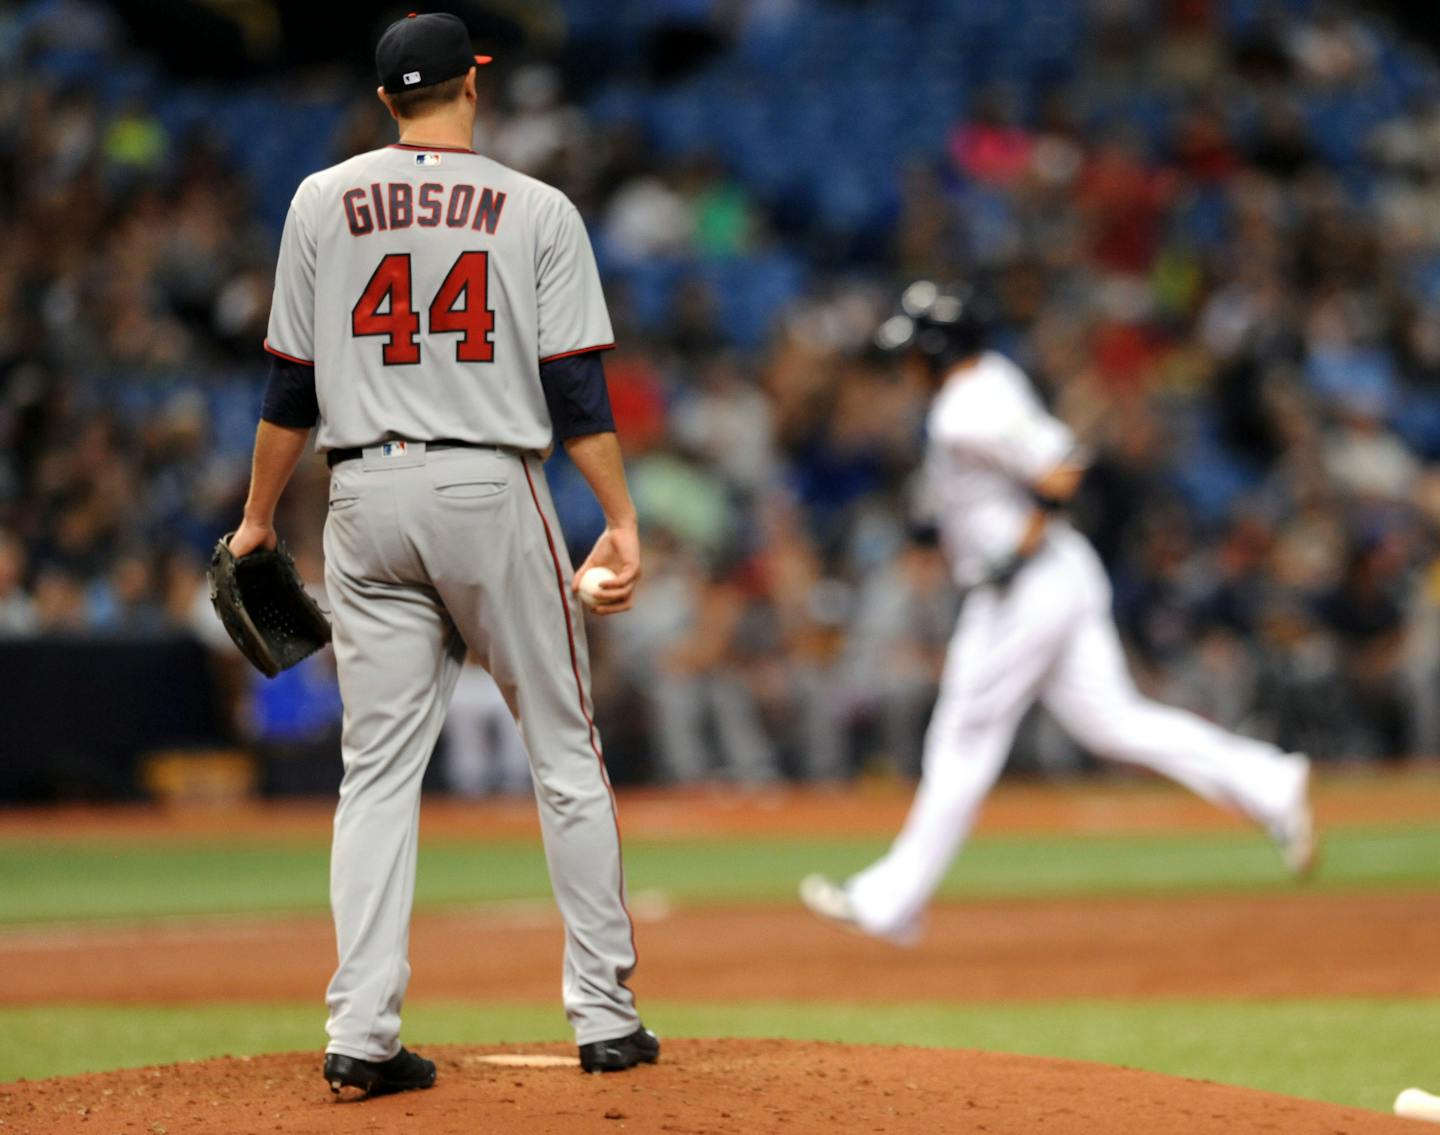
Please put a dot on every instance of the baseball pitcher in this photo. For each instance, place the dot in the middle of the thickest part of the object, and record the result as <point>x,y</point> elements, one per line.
<point>439,319</point>
<point>1035,624</point>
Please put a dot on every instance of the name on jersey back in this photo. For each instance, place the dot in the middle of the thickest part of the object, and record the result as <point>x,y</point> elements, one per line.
<point>385,206</point>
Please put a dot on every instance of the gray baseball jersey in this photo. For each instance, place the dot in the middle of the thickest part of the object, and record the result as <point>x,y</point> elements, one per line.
<point>427,286</point>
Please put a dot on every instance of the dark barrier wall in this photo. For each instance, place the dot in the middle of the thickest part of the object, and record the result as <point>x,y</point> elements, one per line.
<point>76,714</point>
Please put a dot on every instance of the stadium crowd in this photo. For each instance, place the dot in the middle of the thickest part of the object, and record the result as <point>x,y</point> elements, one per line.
<point>1243,323</point>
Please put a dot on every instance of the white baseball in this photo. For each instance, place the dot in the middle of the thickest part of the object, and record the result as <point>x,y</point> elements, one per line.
<point>590,582</point>
<point>1412,1103</point>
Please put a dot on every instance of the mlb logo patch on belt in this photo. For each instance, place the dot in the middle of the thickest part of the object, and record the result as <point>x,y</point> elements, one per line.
<point>394,449</point>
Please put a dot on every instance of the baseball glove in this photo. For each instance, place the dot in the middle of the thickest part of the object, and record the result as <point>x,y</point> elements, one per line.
<point>265,608</point>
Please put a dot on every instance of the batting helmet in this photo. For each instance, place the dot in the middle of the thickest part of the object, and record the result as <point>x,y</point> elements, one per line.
<point>942,323</point>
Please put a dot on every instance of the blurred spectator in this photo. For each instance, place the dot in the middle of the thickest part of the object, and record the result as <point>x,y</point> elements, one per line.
<point>531,138</point>
<point>1332,49</point>
<point>992,146</point>
<point>126,602</point>
<point>902,621</point>
<point>725,420</point>
<point>1203,148</point>
<point>483,752</point>
<point>797,647</point>
<point>1364,458</point>
<point>1218,679</point>
<point>647,218</point>
<point>1366,613</point>
<point>676,493</point>
<point>18,615</point>
<point>681,652</point>
<point>136,142</point>
<point>1281,146</point>
<point>725,223</point>
<point>59,602</point>
<point>1301,690</point>
<point>928,232</point>
<point>1122,199</point>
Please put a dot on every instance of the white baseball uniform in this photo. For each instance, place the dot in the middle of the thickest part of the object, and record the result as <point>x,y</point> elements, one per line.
<point>427,286</point>
<point>1047,634</point>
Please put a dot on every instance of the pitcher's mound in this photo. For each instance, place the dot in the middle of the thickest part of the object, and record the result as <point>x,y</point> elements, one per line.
<point>703,1086</point>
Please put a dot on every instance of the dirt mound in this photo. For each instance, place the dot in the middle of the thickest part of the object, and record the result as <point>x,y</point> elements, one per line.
<point>703,1086</point>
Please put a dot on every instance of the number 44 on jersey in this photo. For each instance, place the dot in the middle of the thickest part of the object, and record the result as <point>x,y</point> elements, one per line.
<point>460,306</point>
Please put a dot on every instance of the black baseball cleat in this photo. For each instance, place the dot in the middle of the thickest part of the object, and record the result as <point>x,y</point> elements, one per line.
<point>403,1072</point>
<point>640,1047</point>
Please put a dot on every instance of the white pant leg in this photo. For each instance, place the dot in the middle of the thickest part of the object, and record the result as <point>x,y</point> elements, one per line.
<point>395,702</point>
<point>1002,648</point>
<point>507,584</point>
<point>1091,694</point>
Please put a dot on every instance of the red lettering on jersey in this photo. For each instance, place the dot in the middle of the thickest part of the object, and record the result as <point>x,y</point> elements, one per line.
<point>487,216</point>
<point>429,202</point>
<point>462,197</point>
<point>389,287</point>
<point>401,209</point>
<point>379,206</point>
<point>396,205</point>
<point>469,277</point>
<point>357,213</point>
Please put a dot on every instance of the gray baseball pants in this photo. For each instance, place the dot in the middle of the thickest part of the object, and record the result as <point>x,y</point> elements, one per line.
<point>426,552</point>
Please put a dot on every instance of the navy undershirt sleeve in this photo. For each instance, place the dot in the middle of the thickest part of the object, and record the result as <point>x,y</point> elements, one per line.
<point>290,395</point>
<point>576,395</point>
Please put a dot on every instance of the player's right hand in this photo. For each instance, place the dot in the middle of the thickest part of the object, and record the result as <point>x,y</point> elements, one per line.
<point>619,550</point>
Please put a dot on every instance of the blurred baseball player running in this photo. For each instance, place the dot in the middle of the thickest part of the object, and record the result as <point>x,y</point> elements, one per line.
<point>440,317</point>
<point>1035,623</point>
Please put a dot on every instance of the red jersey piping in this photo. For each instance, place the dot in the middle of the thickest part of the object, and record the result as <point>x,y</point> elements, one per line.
<point>578,351</point>
<point>288,358</point>
<point>444,149</point>
<point>580,695</point>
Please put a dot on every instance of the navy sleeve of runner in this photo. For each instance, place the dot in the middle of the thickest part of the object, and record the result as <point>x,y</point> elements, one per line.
<point>290,395</point>
<point>576,395</point>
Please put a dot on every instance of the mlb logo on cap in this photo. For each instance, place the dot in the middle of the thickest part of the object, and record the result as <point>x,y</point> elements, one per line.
<point>423,50</point>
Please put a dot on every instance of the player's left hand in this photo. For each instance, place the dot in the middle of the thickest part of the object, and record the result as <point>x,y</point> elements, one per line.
<point>619,550</point>
<point>250,536</point>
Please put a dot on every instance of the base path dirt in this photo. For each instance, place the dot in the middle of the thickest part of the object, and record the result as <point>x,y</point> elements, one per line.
<point>702,1087</point>
<point>1296,944</point>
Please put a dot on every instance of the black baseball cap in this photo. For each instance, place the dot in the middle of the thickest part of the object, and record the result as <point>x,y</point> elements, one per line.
<point>420,51</point>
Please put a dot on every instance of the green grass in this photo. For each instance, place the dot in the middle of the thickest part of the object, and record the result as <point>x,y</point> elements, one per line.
<point>1359,1052</point>
<point>81,881</point>
<point>58,1040</point>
